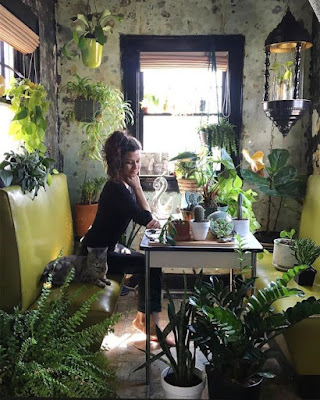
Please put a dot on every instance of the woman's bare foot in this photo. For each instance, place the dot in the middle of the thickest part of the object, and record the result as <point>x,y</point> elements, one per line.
<point>139,323</point>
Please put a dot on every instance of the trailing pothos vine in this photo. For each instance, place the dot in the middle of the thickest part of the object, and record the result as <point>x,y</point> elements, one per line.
<point>29,104</point>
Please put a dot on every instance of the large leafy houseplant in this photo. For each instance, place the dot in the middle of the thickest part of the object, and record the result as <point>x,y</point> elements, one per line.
<point>29,104</point>
<point>45,352</point>
<point>233,326</point>
<point>282,181</point>
<point>28,170</point>
<point>114,112</point>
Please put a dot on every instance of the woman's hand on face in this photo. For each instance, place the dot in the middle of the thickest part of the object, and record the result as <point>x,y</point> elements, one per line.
<point>133,181</point>
<point>153,224</point>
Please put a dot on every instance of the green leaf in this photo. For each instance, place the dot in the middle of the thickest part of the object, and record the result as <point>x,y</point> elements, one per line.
<point>82,18</point>
<point>100,38</point>
<point>6,177</point>
<point>278,158</point>
<point>186,155</point>
<point>23,113</point>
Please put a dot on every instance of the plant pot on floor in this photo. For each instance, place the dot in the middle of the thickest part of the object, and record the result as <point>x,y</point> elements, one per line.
<point>199,229</point>
<point>84,215</point>
<point>92,53</point>
<point>219,388</point>
<point>283,257</point>
<point>177,392</point>
<point>306,277</point>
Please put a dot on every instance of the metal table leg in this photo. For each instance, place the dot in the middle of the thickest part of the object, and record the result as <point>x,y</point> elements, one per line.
<point>147,307</point>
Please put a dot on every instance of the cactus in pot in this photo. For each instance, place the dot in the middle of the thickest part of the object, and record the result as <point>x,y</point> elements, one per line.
<point>192,199</point>
<point>199,226</point>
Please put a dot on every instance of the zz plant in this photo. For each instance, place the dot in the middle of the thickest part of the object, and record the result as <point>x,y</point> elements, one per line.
<point>29,104</point>
<point>45,352</point>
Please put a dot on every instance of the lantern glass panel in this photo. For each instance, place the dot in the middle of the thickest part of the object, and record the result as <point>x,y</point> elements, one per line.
<point>282,76</point>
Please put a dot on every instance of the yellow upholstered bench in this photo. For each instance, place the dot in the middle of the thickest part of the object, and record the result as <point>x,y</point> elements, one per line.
<point>32,232</point>
<point>302,340</point>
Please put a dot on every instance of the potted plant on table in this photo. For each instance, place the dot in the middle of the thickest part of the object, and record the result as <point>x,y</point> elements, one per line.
<point>283,256</point>
<point>181,379</point>
<point>85,211</point>
<point>306,252</point>
<point>222,229</point>
<point>102,110</point>
<point>185,170</point>
<point>89,35</point>
<point>192,199</point>
<point>232,327</point>
<point>199,225</point>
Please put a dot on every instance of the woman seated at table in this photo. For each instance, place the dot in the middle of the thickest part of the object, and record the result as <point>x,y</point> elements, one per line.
<point>122,200</point>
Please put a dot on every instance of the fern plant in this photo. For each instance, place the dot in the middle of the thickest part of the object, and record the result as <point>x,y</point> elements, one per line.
<point>45,352</point>
<point>232,327</point>
<point>221,135</point>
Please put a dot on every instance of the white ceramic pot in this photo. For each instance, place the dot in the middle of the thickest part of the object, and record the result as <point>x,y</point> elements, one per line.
<point>283,257</point>
<point>241,226</point>
<point>199,229</point>
<point>177,392</point>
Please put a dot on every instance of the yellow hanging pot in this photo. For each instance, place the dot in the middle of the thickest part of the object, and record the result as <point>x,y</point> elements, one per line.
<point>92,54</point>
<point>2,86</point>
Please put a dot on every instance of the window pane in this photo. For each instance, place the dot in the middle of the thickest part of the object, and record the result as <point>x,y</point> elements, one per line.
<point>6,57</point>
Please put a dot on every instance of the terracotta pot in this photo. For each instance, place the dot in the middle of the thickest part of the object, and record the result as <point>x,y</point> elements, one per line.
<point>84,215</point>
<point>183,230</point>
<point>187,215</point>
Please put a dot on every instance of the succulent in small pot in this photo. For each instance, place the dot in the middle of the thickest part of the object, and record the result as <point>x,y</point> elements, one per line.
<point>306,253</point>
<point>182,230</point>
<point>223,229</point>
<point>199,225</point>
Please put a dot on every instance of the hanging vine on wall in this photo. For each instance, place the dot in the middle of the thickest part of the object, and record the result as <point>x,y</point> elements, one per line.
<point>29,104</point>
<point>221,135</point>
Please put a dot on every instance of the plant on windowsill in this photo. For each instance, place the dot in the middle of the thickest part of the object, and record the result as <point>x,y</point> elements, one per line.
<point>232,327</point>
<point>149,103</point>
<point>85,211</point>
<point>181,377</point>
<point>29,104</point>
<point>31,171</point>
<point>89,35</point>
<point>102,110</point>
<point>46,353</point>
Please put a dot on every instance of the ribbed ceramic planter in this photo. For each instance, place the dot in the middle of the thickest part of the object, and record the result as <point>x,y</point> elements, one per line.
<point>177,392</point>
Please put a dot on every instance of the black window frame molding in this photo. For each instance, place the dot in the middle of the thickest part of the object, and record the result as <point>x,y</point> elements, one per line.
<point>132,45</point>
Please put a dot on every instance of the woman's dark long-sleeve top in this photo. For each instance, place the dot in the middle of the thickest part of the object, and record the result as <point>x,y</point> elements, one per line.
<point>117,207</point>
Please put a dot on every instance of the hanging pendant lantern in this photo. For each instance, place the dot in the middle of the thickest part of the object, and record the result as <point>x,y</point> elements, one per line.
<point>283,97</point>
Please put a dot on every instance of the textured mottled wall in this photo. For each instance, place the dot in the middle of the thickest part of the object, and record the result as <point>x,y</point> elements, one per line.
<point>252,18</point>
<point>45,10</point>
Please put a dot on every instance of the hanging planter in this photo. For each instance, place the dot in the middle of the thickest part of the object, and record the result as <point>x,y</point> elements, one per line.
<point>86,110</point>
<point>91,54</point>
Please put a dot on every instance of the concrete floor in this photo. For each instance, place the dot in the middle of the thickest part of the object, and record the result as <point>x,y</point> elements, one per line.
<point>124,355</point>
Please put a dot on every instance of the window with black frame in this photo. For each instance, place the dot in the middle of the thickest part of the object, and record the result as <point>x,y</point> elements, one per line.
<point>177,84</point>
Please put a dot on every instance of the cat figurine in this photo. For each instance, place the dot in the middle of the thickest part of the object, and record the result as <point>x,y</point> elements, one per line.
<point>91,268</point>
